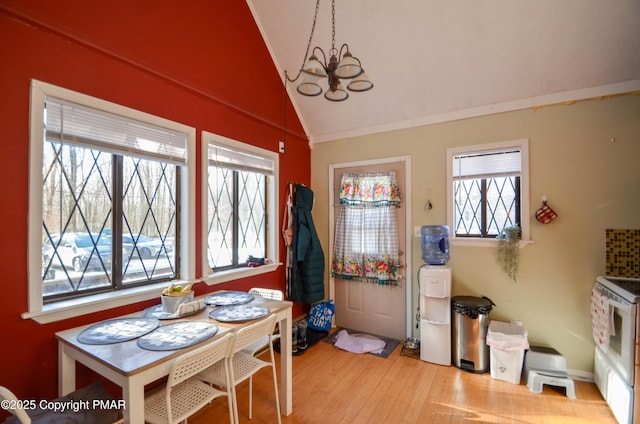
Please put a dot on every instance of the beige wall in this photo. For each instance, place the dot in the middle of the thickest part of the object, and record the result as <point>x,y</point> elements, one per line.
<point>592,182</point>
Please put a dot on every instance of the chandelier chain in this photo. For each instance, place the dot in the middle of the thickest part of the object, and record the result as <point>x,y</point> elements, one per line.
<point>333,51</point>
<point>306,54</point>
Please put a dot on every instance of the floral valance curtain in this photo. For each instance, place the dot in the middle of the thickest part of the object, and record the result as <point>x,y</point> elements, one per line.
<point>366,238</point>
<point>369,189</point>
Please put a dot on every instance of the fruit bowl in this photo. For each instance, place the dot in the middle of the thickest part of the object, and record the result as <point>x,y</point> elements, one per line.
<point>174,296</point>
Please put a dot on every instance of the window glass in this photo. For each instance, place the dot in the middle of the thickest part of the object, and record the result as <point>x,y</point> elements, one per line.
<point>110,196</point>
<point>82,216</point>
<point>241,182</point>
<point>150,205</point>
<point>488,189</point>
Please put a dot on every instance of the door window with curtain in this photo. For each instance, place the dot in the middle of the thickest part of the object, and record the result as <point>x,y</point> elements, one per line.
<point>366,239</point>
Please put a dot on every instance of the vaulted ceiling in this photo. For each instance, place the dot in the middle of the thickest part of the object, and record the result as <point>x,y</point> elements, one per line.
<point>435,61</point>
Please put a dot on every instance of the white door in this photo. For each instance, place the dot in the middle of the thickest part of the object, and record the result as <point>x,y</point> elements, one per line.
<point>368,307</point>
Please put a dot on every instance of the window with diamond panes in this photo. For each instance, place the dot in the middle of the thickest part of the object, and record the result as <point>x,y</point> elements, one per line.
<point>237,202</point>
<point>486,192</point>
<point>109,201</point>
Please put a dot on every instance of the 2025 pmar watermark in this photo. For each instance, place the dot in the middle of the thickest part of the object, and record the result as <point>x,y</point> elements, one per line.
<point>62,405</point>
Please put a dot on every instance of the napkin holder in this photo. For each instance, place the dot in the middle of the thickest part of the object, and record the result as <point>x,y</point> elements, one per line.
<point>190,307</point>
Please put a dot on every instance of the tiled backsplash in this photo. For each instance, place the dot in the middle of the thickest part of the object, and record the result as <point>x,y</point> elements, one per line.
<point>623,253</point>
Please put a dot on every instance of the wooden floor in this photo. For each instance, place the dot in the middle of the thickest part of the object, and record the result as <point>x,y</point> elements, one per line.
<point>335,386</point>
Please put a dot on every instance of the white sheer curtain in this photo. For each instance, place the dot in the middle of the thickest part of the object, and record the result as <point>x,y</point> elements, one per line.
<point>366,237</point>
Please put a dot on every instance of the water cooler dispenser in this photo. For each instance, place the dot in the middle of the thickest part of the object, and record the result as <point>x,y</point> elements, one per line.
<point>435,314</point>
<point>435,296</point>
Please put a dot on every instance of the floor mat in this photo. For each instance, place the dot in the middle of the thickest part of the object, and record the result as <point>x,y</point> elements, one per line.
<point>390,344</point>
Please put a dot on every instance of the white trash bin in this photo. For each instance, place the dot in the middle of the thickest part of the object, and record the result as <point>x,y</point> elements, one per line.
<point>507,343</point>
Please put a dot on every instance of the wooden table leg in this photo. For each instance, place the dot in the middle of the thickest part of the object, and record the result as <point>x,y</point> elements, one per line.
<point>286,366</point>
<point>66,371</point>
<point>133,395</point>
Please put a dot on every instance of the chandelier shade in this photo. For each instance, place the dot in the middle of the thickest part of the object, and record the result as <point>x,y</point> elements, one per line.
<point>310,87</point>
<point>315,68</point>
<point>360,83</point>
<point>349,67</point>
<point>336,95</point>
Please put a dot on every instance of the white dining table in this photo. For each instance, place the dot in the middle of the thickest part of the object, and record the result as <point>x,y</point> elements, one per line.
<point>132,367</point>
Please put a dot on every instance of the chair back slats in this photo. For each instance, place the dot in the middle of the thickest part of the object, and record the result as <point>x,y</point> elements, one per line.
<point>192,363</point>
<point>270,294</point>
<point>6,394</point>
<point>249,334</point>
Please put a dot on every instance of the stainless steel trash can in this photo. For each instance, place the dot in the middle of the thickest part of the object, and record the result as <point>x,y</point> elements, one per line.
<point>470,320</point>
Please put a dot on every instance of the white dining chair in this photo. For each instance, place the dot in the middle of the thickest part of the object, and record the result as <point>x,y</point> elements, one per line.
<point>184,394</point>
<point>260,346</point>
<point>13,405</point>
<point>244,365</point>
<point>272,294</point>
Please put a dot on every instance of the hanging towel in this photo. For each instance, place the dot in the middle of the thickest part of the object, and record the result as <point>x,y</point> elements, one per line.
<point>287,236</point>
<point>601,318</point>
<point>358,344</point>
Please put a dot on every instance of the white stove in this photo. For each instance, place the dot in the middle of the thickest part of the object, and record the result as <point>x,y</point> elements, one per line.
<point>629,288</point>
<point>616,370</point>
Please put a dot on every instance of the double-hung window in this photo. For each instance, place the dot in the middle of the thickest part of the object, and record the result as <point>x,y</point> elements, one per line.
<point>240,202</point>
<point>488,189</point>
<point>107,194</point>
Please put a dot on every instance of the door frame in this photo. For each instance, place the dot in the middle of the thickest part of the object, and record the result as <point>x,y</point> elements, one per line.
<point>408,236</point>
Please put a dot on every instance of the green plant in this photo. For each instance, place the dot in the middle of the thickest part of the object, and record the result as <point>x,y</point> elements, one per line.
<point>509,250</point>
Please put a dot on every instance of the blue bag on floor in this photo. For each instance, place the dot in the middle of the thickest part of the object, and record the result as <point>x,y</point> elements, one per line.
<point>320,316</point>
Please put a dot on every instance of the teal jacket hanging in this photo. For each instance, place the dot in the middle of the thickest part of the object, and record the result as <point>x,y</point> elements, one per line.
<point>307,285</point>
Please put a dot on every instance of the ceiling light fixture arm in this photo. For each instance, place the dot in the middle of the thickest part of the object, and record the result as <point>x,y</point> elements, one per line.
<point>324,56</point>
<point>306,53</point>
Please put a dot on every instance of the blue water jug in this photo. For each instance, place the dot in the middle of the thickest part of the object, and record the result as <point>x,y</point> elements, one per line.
<point>435,244</point>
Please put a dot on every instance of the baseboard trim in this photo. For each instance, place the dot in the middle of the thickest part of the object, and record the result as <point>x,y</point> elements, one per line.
<point>581,375</point>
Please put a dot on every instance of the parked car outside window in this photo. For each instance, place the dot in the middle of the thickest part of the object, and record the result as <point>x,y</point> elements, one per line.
<point>146,247</point>
<point>78,251</point>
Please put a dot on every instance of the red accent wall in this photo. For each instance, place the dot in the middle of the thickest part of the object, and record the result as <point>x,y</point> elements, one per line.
<point>203,64</point>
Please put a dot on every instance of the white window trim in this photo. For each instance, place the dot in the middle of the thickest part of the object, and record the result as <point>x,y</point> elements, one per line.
<point>213,278</point>
<point>61,310</point>
<point>523,145</point>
